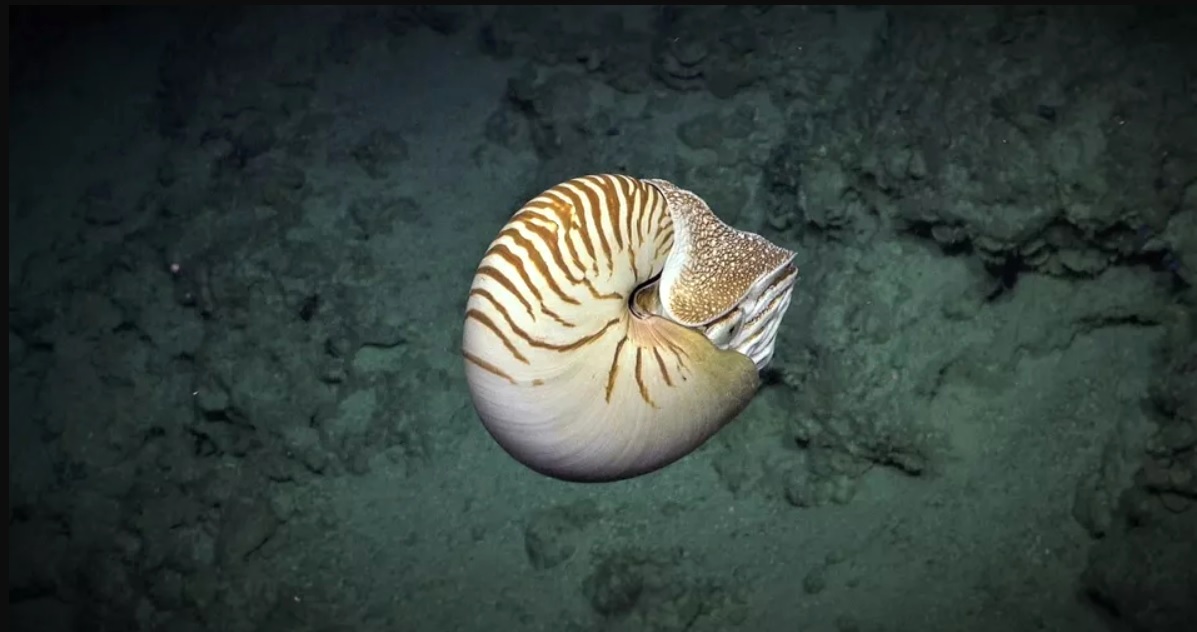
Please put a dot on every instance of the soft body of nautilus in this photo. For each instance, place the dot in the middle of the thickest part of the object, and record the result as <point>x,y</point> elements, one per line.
<point>615,324</point>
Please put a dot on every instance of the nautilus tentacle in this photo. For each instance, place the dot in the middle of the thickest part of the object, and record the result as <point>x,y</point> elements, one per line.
<point>615,324</point>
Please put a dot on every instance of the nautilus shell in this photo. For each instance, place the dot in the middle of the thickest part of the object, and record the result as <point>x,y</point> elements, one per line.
<point>615,324</point>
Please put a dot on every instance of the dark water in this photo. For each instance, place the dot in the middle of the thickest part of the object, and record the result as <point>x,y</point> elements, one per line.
<point>242,240</point>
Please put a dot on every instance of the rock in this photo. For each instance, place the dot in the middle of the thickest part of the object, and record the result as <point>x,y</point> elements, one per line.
<point>550,538</point>
<point>376,153</point>
<point>246,524</point>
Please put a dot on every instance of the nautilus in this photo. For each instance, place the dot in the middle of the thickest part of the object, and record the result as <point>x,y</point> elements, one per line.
<point>615,324</point>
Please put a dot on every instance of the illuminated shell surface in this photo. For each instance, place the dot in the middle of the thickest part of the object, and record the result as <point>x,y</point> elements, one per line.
<point>615,324</point>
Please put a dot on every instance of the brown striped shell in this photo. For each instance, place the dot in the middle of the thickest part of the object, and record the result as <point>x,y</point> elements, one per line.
<point>615,324</point>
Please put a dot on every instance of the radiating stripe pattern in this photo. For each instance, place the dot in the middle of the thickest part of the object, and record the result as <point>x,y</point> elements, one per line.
<point>573,363</point>
<point>560,273</point>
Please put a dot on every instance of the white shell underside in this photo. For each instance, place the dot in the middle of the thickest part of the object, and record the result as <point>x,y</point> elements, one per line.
<point>574,383</point>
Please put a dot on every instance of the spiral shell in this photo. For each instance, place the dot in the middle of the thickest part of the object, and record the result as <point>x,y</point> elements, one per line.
<point>615,324</point>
